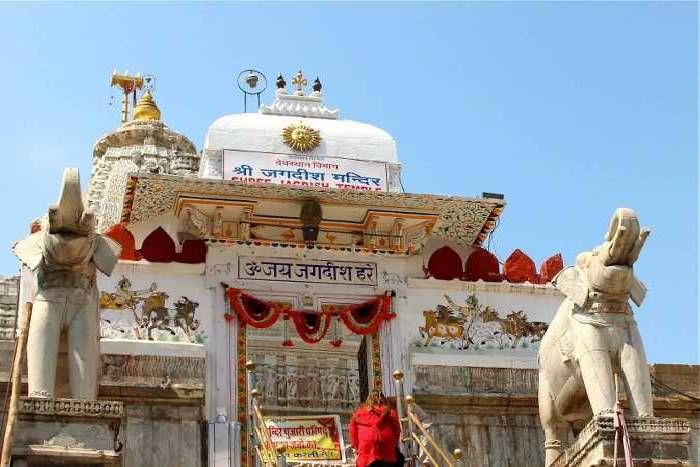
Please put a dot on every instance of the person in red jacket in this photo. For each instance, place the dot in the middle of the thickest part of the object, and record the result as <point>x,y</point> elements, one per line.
<point>375,432</point>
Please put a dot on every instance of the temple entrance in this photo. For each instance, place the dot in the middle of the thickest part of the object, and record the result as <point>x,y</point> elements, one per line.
<point>306,379</point>
<point>313,359</point>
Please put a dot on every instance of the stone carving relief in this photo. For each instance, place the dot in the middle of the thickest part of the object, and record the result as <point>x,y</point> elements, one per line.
<point>392,279</point>
<point>148,313</point>
<point>65,256</point>
<point>472,326</point>
<point>594,337</point>
<point>72,407</point>
<point>301,382</point>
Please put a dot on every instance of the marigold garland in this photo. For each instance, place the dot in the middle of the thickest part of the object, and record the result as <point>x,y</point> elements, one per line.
<point>362,319</point>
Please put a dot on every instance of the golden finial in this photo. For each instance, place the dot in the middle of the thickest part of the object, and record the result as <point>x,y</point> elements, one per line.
<point>128,84</point>
<point>146,109</point>
<point>299,81</point>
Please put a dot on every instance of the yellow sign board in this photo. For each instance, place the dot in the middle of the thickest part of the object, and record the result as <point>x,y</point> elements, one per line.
<point>312,438</point>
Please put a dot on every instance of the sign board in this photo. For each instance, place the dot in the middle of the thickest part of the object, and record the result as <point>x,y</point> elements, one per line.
<point>309,438</point>
<point>304,171</point>
<point>307,270</point>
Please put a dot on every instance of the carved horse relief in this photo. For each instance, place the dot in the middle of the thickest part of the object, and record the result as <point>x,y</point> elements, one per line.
<point>151,311</point>
<point>473,325</point>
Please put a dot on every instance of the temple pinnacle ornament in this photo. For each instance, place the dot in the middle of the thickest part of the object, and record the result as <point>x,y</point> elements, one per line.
<point>301,137</point>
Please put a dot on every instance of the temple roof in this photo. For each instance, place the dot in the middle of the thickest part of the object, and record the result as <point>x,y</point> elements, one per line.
<point>264,132</point>
<point>466,221</point>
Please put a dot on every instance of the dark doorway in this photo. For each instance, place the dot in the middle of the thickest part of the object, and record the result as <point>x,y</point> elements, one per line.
<point>363,367</point>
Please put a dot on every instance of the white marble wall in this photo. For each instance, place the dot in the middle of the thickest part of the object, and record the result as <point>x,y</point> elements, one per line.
<point>400,274</point>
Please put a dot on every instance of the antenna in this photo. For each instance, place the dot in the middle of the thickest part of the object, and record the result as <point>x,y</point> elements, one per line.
<point>128,84</point>
<point>251,83</point>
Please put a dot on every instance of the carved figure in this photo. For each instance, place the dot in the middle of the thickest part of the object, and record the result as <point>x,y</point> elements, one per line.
<point>157,316</point>
<point>124,297</point>
<point>490,329</point>
<point>474,325</point>
<point>65,255</point>
<point>353,387</point>
<point>292,378</point>
<point>437,324</point>
<point>516,326</point>
<point>594,336</point>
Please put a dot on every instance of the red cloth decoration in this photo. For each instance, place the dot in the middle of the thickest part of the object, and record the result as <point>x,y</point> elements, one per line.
<point>551,267</point>
<point>193,252</point>
<point>120,234</point>
<point>520,268</point>
<point>252,311</point>
<point>483,265</point>
<point>312,327</point>
<point>365,319</point>
<point>444,264</point>
<point>158,247</point>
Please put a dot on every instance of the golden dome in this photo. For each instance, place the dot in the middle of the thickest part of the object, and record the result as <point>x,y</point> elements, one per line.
<point>146,109</point>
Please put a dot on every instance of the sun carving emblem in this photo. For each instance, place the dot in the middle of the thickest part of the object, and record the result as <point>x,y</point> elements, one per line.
<point>301,137</point>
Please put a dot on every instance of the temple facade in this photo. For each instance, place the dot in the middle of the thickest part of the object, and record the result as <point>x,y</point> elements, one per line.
<point>288,242</point>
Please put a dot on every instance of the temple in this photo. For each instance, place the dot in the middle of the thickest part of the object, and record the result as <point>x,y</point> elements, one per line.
<point>283,269</point>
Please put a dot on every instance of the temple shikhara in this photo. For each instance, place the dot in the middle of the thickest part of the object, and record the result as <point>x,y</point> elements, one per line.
<point>232,305</point>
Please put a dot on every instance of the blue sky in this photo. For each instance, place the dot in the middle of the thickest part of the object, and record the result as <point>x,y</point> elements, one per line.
<point>569,109</point>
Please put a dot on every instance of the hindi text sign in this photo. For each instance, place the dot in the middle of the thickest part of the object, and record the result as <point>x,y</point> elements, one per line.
<point>314,438</point>
<point>307,270</point>
<point>304,171</point>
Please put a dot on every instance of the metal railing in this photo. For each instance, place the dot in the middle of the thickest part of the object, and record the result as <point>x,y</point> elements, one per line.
<point>419,446</point>
<point>264,452</point>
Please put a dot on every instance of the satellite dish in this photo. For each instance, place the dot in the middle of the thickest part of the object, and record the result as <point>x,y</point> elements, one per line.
<point>251,83</point>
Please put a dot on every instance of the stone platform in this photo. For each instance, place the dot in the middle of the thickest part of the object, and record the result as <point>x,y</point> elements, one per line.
<point>654,442</point>
<point>68,432</point>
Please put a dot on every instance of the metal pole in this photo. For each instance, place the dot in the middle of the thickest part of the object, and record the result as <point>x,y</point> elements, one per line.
<point>16,379</point>
<point>616,414</point>
<point>457,454</point>
<point>281,457</point>
<point>413,451</point>
<point>250,429</point>
<point>402,412</point>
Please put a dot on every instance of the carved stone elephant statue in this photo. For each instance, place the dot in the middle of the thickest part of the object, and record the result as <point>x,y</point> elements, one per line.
<point>593,337</point>
<point>64,256</point>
